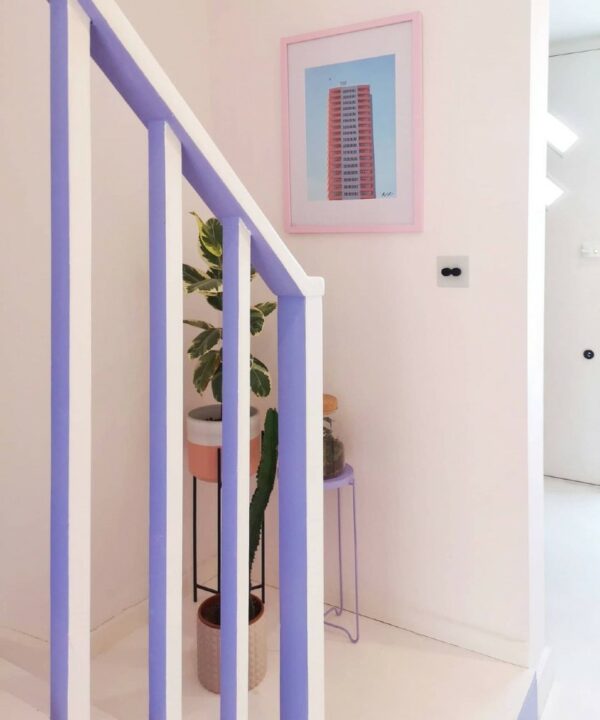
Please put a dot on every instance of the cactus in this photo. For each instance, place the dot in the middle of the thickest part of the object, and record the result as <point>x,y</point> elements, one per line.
<point>265,480</point>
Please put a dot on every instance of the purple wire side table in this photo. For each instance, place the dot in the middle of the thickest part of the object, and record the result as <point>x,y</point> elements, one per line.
<point>345,479</point>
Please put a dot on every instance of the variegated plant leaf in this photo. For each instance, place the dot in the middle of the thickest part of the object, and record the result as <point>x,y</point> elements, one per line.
<point>191,276</point>
<point>206,239</point>
<point>266,308</point>
<point>199,324</point>
<point>217,385</point>
<point>206,368</point>
<point>206,285</point>
<point>260,382</point>
<point>204,342</point>
<point>215,301</point>
<point>257,320</point>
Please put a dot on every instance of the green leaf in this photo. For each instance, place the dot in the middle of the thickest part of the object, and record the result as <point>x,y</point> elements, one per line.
<point>260,382</point>
<point>210,240</point>
<point>217,385</point>
<point>206,368</point>
<point>259,363</point>
<point>215,272</point>
<point>191,276</point>
<point>208,285</point>
<point>215,301</point>
<point>199,221</point>
<point>199,324</point>
<point>266,308</point>
<point>257,320</point>
<point>211,237</point>
<point>265,480</point>
<point>204,342</point>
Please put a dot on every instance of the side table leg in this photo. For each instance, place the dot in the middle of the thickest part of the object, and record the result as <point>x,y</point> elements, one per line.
<point>340,609</point>
<point>356,612</point>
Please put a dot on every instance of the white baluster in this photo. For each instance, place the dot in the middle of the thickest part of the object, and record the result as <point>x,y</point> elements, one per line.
<point>166,413</point>
<point>71,361</point>
<point>235,580</point>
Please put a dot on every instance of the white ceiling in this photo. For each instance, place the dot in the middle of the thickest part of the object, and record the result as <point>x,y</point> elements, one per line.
<point>574,19</point>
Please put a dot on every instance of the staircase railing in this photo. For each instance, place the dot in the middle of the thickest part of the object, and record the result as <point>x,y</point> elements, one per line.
<point>178,144</point>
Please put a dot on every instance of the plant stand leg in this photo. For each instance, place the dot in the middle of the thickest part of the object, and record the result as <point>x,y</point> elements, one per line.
<point>195,537</point>
<point>262,564</point>
<point>219,522</point>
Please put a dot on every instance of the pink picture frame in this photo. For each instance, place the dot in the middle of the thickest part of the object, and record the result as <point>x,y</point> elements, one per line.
<point>371,213</point>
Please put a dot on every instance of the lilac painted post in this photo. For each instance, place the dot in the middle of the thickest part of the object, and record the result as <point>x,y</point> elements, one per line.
<point>71,362</point>
<point>235,580</point>
<point>300,390</point>
<point>166,412</point>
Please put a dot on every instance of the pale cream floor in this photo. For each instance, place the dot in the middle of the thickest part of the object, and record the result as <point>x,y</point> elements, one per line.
<point>391,674</point>
<point>573,598</point>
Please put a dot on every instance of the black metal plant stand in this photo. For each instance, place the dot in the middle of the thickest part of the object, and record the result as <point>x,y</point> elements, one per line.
<point>261,585</point>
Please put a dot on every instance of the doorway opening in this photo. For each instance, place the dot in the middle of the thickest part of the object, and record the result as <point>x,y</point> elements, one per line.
<point>572,361</point>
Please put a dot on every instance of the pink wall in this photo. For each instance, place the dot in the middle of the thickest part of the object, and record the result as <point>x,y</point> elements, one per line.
<point>432,382</point>
<point>120,313</point>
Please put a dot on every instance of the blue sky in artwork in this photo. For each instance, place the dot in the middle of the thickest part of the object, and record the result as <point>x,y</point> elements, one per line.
<point>380,74</point>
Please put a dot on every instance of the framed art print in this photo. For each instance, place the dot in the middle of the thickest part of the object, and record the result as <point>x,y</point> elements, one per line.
<point>353,128</point>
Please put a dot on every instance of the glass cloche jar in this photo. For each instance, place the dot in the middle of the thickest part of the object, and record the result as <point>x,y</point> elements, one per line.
<point>333,448</point>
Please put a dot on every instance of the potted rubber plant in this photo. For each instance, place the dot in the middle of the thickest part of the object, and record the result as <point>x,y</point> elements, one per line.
<point>209,612</point>
<point>204,424</point>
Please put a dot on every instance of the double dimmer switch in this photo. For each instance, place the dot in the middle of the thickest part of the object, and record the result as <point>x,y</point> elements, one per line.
<point>453,271</point>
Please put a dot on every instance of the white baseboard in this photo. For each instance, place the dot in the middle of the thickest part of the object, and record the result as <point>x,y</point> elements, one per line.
<point>124,623</point>
<point>479,640</point>
<point>116,628</point>
<point>442,629</point>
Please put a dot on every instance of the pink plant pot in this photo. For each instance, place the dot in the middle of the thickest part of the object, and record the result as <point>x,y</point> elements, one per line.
<point>204,431</point>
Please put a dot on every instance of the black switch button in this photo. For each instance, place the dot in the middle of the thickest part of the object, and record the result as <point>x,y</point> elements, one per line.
<point>588,354</point>
<point>446,272</point>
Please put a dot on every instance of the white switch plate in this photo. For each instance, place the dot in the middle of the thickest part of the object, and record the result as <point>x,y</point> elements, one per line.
<point>590,250</point>
<point>453,261</point>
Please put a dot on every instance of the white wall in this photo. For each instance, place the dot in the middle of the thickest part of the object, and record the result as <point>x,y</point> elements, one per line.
<point>573,281</point>
<point>432,382</point>
<point>120,315</point>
